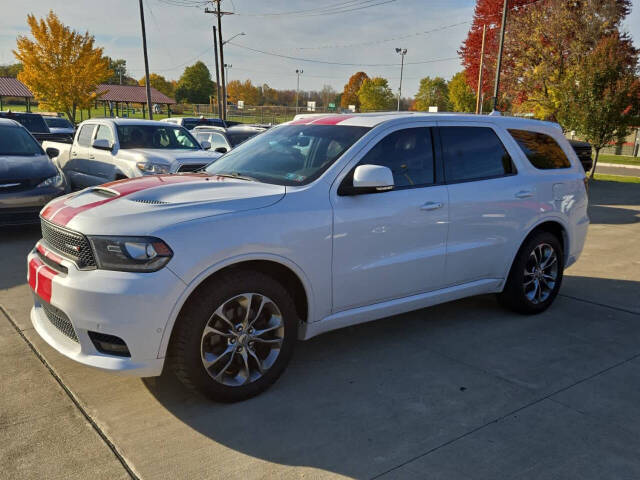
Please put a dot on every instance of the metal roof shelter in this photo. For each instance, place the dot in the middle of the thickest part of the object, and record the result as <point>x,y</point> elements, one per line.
<point>12,87</point>
<point>131,94</point>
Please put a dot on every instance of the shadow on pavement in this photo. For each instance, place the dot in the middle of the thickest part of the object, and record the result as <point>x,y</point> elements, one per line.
<point>359,400</point>
<point>15,244</point>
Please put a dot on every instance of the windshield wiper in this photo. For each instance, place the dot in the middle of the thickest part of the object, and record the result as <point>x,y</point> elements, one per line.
<point>236,175</point>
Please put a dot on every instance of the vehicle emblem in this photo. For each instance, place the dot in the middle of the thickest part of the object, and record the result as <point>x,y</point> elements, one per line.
<point>9,185</point>
<point>75,248</point>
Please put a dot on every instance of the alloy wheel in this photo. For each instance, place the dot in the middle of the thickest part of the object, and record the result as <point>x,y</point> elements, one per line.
<point>242,339</point>
<point>540,273</point>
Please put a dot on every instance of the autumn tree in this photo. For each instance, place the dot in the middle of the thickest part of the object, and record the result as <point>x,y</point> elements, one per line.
<point>433,92</point>
<point>245,91</point>
<point>351,89</point>
<point>327,95</point>
<point>603,93</point>
<point>195,84</point>
<point>548,41</point>
<point>119,76</point>
<point>461,97</point>
<point>62,67</point>
<point>159,83</point>
<point>375,94</point>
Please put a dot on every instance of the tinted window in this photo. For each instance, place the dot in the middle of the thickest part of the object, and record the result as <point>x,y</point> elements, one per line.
<point>290,154</point>
<point>57,122</point>
<point>17,141</point>
<point>32,122</point>
<point>158,137</point>
<point>84,137</point>
<point>236,138</point>
<point>542,151</point>
<point>104,132</point>
<point>409,155</point>
<point>471,153</point>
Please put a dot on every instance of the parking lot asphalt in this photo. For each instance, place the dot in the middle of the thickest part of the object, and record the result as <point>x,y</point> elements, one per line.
<point>461,390</point>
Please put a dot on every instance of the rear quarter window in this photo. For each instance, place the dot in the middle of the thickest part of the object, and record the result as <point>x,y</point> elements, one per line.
<point>542,150</point>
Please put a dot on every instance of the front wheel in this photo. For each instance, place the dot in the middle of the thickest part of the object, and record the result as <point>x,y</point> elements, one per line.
<point>535,276</point>
<point>235,337</point>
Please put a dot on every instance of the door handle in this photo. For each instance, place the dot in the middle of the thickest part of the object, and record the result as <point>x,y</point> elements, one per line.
<point>74,154</point>
<point>92,156</point>
<point>524,194</point>
<point>431,206</point>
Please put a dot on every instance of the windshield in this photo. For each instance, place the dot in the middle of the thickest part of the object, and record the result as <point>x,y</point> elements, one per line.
<point>288,155</point>
<point>57,122</point>
<point>15,141</point>
<point>167,137</point>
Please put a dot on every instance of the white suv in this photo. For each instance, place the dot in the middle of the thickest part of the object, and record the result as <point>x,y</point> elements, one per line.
<point>317,224</point>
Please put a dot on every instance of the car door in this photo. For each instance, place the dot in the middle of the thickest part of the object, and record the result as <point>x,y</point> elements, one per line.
<point>101,162</point>
<point>77,167</point>
<point>490,202</point>
<point>391,244</point>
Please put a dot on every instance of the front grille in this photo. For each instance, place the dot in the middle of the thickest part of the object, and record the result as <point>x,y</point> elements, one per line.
<point>190,168</point>
<point>68,243</point>
<point>59,320</point>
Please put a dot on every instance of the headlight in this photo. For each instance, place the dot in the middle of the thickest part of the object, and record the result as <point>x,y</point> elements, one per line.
<point>152,168</point>
<point>54,181</point>
<point>130,254</point>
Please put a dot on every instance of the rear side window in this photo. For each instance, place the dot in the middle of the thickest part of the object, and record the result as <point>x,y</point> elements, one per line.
<point>542,151</point>
<point>84,136</point>
<point>473,153</point>
<point>409,155</point>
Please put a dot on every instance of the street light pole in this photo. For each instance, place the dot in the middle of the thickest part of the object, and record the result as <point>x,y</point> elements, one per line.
<point>499,63</point>
<point>479,92</point>
<point>146,61</point>
<point>218,89</point>
<point>298,72</point>
<point>402,52</point>
<point>227,66</point>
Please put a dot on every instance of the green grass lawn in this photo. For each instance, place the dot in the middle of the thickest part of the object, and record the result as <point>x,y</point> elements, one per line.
<point>619,159</point>
<point>616,178</point>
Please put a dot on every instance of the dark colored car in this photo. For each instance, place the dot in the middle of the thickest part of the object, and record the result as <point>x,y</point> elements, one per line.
<point>59,125</point>
<point>28,177</point>
<point>192,122</point>
<point>36,125</point>
<point>583,151</point>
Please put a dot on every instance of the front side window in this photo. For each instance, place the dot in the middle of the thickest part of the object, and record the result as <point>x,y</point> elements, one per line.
<point>16,141</point>
<point>85,134</point>
<point>473,153</point>
<point>288,155</point>
<point>156,137</point>
<point>542,151</point>
<point>104,133</point>
<point>409,155</point>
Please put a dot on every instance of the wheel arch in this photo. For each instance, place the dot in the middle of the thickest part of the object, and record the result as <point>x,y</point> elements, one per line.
<point>288,272</point>
<point>553,225</point>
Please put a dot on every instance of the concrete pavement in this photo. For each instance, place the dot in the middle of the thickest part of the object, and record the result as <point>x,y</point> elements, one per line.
<point>462,390</point>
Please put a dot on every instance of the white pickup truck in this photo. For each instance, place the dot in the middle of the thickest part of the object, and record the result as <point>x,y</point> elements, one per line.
<point>107,149</point>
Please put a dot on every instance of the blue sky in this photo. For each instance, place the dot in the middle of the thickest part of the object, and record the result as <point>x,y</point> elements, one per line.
<point>178,36</point>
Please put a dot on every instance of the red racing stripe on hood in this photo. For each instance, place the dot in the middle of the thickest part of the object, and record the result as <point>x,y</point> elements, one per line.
<point>61,214</point>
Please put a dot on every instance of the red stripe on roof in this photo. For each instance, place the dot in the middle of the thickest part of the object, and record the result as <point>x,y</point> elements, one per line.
<point>331,120</point>
<point>302,121</point>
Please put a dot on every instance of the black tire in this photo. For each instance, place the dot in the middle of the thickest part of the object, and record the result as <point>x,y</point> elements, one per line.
<point>185,349</point>
<point>514,296</point>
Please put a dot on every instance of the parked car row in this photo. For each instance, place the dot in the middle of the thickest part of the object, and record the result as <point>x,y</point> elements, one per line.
<point>38,127</point>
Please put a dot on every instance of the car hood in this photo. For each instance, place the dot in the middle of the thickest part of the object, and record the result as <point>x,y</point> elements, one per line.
<point>168,157</point>
<point>143,205</point>
<point>25,168</point>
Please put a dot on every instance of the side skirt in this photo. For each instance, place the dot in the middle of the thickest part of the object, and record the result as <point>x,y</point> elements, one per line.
<point>376,311</point>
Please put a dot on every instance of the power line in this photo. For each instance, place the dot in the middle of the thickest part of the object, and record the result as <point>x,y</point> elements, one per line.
<point>311,60</point>
<point>339,7</point>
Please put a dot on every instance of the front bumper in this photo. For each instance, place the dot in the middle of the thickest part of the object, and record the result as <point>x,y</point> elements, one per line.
<point>22,208</point>
<point>132,306</point>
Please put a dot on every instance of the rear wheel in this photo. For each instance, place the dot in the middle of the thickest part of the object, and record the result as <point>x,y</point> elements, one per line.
<point>535,276</point>
<point>235,337</point>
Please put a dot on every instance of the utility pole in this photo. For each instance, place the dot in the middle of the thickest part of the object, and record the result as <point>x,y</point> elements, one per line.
<point>218,89</point>
<point>146,62</point>
<point>298,72</point>
<point>499,63</point>
<point>227,66</point>
<point>218,13</point>
<point>479,92</point>
<point>402,52</point>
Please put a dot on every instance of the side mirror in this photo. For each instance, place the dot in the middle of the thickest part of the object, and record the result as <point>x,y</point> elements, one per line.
<point>205,144</point>
<point>52,152</point>
<point>102,144</point>
<point>221,150</point>
<point>372,178</point>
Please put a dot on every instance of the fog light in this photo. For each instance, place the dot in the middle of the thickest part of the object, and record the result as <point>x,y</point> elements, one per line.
<point>109,344</point>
